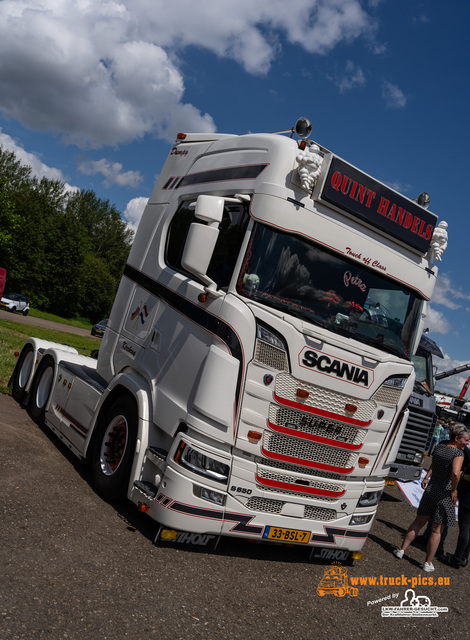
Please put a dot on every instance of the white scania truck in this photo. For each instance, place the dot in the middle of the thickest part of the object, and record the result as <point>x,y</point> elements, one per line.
<point>254,376</point>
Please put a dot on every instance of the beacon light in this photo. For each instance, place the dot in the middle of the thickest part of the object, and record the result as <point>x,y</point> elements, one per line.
<point>181,136</point>
<point>254,437</point>
<point>302,393</point>
<point>363,462</point>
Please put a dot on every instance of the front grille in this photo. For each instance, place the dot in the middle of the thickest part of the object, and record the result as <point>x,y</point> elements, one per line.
<point>323,399</point>
<point>265,504</point>
<point>294,448</point>
<point>418,433</point>
<point>319,513</point>
<point>276,464</point>
<point>271,356</point>
<point>290,479</point>
<point>387,395</point>
<point>316,426</point>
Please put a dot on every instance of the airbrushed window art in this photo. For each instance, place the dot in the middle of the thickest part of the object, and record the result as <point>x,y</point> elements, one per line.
<point>307,281</point>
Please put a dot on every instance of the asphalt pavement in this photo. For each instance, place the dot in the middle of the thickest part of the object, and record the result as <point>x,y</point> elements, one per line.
<point>40,322</point>
<point>74,567</point>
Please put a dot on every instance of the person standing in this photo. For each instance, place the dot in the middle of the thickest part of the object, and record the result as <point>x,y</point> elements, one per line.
<point>436,436</point>
<point>460,556</point>
<point>440,493</point>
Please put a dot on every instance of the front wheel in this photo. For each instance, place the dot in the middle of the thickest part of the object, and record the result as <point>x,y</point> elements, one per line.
<point>25,312</point>
<point>22,372</point>
<point>114,449</point>
<point>41,389</point>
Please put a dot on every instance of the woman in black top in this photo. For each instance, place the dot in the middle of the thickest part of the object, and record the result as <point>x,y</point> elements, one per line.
<point>462,550</point>
<point>440,493</point>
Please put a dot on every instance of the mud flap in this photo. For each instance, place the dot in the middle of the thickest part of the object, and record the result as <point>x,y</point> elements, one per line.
<point>330,556</point>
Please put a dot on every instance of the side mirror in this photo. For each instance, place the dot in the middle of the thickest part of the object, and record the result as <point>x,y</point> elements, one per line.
<point>201,239</point>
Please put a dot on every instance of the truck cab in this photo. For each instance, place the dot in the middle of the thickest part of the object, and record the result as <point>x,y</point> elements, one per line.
<point>254,377</point>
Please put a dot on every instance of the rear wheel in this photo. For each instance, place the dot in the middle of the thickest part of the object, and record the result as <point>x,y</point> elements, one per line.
<point>22,372</point>
<point>114,449</point>
<point>41,389</point>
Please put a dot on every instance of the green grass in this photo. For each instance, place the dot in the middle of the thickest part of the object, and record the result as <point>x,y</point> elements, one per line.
<point>13,335</point>
<point>83,323</point>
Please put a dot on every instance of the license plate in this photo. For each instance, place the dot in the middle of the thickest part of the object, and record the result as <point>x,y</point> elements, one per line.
<point>286,535</point>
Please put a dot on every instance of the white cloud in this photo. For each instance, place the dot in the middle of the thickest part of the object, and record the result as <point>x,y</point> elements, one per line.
<point>436,322</point>
<point>134,211</point>
<point>453,384</point>
<point>393,95</point>
<point>445,293</point>
<point>38,168</point>
<point>104,72</point>
<point>422,18</point>
<point>112,172</point>
<point>353,77</point>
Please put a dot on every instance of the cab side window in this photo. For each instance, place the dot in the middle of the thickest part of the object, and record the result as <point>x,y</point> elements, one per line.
<point>231,233</point>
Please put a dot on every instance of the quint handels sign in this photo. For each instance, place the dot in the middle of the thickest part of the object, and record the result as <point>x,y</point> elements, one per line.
<point>361,195</point>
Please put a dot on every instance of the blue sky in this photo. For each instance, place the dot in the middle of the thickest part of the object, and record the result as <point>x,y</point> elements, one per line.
<point>92,92</point>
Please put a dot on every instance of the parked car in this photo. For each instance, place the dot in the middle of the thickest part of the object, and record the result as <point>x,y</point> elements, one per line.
<point>99,328</point>
<point>15,302</point>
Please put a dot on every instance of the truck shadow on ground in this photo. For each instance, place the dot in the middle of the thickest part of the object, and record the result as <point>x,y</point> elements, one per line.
<point>137,522</point>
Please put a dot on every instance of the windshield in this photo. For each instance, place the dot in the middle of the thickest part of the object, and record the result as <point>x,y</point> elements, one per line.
<point>307,281</point>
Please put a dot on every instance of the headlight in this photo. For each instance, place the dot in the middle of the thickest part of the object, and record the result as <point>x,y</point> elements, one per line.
<point>271,349</point>
<point>209,494</point>
<point>397,382</point>
<point>418,457</point>
<point>264,334</point>
<point>369,498</point>
<point>359,519</point>
<point>201,464</point>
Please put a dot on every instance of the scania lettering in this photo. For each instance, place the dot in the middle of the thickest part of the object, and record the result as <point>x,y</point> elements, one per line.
<point>254,377</point>
<point>335,367</point>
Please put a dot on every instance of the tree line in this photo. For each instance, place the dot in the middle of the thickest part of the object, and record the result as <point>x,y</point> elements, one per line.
<point>65,250</point>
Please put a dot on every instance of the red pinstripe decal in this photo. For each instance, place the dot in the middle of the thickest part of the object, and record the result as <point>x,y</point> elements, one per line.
<point>305,463</point>
<point>309,436</point>
<point>320,412</point>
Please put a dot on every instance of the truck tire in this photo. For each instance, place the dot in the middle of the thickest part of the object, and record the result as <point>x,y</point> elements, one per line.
<point>41,389</point>
<point>22,372</point>
<point>114,449</point>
